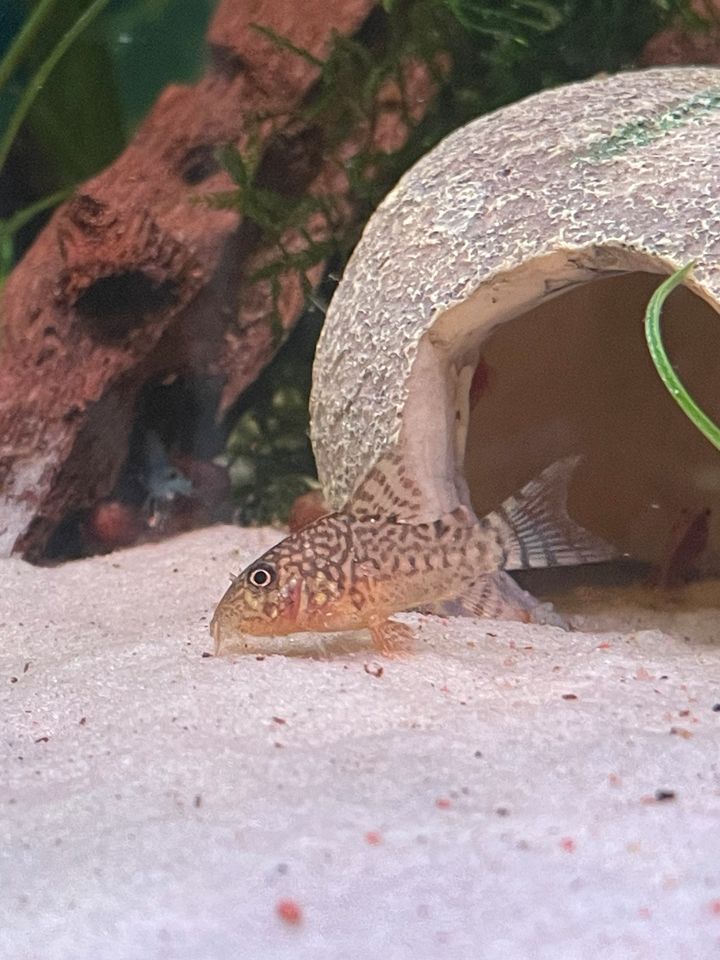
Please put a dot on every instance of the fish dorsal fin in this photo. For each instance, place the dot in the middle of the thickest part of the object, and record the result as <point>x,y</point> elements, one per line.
<point>388,491</point>
<point>536,528</point>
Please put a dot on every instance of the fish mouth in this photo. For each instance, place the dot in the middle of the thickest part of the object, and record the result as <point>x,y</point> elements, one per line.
<point>257,636</point>
<point>237,644</point>
<point>285,639</point>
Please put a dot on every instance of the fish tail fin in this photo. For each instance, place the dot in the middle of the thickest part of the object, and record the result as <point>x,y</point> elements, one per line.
<point>537,530</point>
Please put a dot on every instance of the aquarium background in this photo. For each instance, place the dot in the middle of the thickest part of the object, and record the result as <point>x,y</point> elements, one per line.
<point>115,69</point>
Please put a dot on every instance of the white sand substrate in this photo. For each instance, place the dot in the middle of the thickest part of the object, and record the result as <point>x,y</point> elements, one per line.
<point>509,792</point>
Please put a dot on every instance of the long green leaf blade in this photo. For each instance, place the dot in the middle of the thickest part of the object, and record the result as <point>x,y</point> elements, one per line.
<point>662,362</point>
<point>42,73</point>
<point>22,43</point>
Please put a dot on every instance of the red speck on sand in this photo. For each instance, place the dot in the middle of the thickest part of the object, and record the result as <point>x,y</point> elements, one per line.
<point>568,844</point>
<point>644,913</point>
<point>289,911</point>
<point>715,907</point>
<point>373,838</point>
<point>442,803</point>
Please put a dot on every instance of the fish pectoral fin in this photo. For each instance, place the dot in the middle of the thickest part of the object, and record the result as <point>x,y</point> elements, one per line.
<point>536,527</point>
<point>392,639</point>
<point>496,596</point>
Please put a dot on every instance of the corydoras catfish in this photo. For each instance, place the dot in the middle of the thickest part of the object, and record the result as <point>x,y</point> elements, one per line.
<point>357,567</point>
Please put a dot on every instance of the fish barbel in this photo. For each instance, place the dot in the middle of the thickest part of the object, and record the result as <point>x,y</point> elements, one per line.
<point>357,567</point>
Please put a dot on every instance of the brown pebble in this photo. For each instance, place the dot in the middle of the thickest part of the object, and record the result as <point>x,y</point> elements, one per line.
<point>681,732</point>
<point>661,795</point>
<point>375,671</point>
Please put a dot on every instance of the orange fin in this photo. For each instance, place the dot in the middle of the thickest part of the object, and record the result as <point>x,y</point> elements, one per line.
<point>537,530</point>
<point>392,639</point>
<point>496,596</point>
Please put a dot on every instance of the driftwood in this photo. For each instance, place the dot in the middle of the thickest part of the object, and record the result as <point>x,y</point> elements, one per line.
<point>133,280</point>
<point>680,45</point>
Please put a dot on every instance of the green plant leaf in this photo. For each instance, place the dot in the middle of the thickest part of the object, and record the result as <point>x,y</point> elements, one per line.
<point>662,362</point>
<point>284,44</point>
<point>10,226</point>
<point>24,40</point>
<point>43,72</point>
<point>512,19</point>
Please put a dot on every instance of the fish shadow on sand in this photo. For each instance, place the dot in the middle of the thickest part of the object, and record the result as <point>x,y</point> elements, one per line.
<point>309,646</point>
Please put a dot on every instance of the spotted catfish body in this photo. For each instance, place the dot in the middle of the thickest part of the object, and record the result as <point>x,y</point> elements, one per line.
<point>357,567</point>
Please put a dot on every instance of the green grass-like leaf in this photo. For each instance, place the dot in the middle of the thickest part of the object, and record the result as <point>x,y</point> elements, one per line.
<point>662,362</point>
<point>10,226</point>
<point>41,75</point>
<point>24,40</point>
<point>285,44</point>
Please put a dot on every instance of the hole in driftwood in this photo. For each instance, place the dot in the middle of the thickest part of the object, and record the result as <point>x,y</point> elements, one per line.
<point>114,305</point>
<point>291,160</point>
<point>199,163</point>
<point>167,482</point>
<point>226,61</point>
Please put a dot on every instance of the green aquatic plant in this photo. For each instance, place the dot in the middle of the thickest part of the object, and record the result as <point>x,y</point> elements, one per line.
<point>663,364</point>
<point>74,79</point>
<point>268,451</point>
<point>41,75</point>
<point>10,226</point>
<point>274,214</point>
<point>22,43</point>
<point>19,51</point>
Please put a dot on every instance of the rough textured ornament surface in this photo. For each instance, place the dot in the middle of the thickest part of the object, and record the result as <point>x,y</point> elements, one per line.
<point>606,176</point>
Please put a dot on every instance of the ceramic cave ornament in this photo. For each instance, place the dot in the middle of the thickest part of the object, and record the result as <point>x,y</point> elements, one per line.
<point>490,319</point>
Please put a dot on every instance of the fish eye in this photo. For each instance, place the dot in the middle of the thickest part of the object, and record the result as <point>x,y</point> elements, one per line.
<point>261,575</point>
